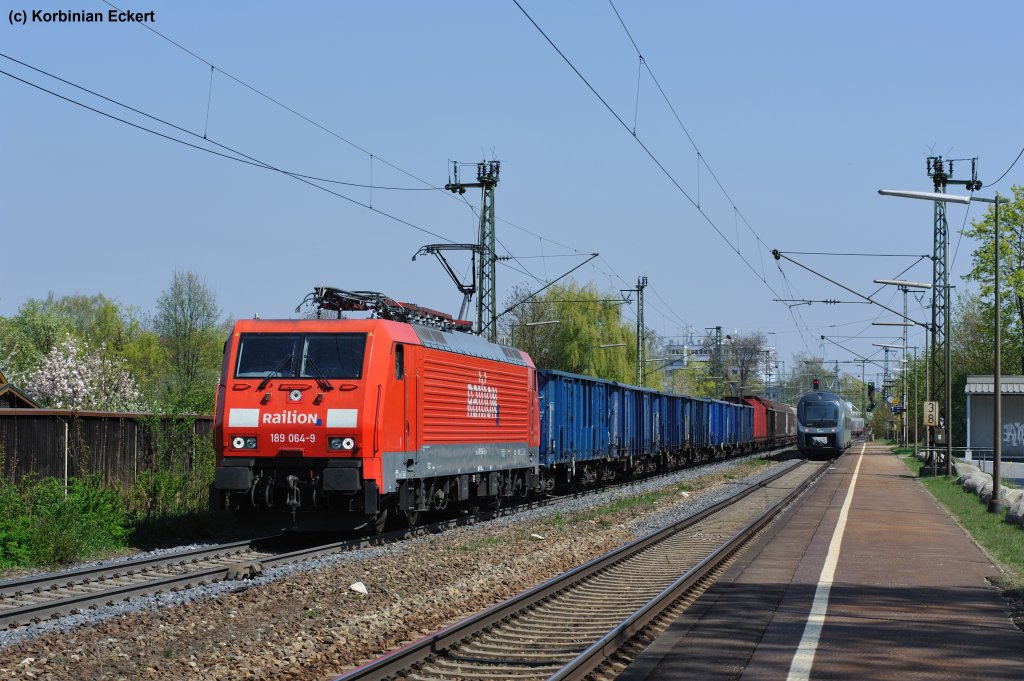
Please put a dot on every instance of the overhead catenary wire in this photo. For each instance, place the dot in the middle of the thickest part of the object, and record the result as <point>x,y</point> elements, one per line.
<point>701,159</point>
<point>644,147</point>
<point>240,158</point>
<point>428,186</point>
<point>233,154</point>
<point>192,133</point>
<point>312,179</point>
<point>992,184</point>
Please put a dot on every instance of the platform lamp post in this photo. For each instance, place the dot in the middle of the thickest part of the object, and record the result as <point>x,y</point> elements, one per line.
<point>602,346</point>
<point>546,322</point>
<point>995,504</point>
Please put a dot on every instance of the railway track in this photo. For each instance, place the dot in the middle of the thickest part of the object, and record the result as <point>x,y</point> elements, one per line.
<point>36,598</point>
<point>570,626</point>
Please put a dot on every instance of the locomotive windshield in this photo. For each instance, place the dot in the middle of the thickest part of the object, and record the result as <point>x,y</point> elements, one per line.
<point>293,355</point>
<point>818,413</point>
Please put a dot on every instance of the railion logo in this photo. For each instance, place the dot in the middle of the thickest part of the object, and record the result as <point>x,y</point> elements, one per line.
<point>481,399</point>
<point>292,418</point>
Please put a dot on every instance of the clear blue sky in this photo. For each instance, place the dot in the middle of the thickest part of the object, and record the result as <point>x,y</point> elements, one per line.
<point>802,110</point>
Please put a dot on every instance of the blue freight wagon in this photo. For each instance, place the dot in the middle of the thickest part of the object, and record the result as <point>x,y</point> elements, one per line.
<point>594,429</point>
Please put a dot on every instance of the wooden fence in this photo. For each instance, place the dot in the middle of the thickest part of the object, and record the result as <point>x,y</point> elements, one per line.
<point>67,444</point>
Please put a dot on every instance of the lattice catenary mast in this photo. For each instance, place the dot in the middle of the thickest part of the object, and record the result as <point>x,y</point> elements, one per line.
<point>941,173</point>
<point>486,286</point>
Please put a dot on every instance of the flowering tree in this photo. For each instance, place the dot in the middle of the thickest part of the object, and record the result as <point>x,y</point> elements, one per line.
<point>73,377</point>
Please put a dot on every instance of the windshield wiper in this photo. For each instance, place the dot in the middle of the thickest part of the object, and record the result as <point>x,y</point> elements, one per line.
<point>321,378</point>
<point>281,365</point>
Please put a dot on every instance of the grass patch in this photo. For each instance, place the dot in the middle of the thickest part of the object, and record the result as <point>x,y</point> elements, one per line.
<point>1004,542</point>
<point>491,542</point>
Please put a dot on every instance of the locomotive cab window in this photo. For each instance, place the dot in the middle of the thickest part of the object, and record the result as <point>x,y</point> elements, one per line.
<point>311,355</point>
<point>333,355</point>
<point>260,355</point>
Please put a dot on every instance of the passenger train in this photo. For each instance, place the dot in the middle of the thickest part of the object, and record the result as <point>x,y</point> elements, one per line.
<point>825,424</point>
<point>358,422</point>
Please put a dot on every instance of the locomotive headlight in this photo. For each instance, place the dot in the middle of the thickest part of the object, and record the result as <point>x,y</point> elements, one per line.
<point>346,443</point>
<point>250,443</point>
<point>238,443</point>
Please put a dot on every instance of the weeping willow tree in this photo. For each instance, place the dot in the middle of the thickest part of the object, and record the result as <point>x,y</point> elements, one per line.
<point>577,329</point>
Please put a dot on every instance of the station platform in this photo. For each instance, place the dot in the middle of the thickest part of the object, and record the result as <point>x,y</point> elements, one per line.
<point>878,583</point>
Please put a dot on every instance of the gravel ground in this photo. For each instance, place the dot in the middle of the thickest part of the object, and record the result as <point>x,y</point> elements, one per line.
<point>303,621</point>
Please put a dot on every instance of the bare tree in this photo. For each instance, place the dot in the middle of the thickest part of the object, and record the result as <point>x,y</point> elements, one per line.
<point>745,354</point>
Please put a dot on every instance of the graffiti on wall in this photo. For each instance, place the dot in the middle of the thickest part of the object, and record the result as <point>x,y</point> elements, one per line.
<point>1013,434</point>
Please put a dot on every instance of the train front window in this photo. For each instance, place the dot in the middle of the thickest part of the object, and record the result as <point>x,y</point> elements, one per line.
<point>337,355</point>
<point>260,355</point>
<point>819,413</point>
<point>295,355</point>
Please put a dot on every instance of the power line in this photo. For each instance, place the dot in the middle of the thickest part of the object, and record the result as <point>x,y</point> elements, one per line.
<point>647,150</point>
<point>702,159</point>
<point>248,160</point>
<point>427,185</point>
<point>991,184</point>
<point>861,255</point>
<point>650,154</point>
<point>238,156</point>
<point>284,106</point>
<point>190,132</point>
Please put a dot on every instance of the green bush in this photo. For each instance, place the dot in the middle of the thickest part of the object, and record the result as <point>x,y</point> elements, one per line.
<point>42,525</point>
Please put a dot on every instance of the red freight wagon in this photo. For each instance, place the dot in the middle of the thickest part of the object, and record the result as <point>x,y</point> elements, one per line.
<point>363,418</point>
<point>774,422</point>
<point>778,421</point>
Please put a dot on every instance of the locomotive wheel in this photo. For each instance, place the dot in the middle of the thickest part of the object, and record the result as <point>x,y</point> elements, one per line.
<point>409,519</point>
<point>379,521</point>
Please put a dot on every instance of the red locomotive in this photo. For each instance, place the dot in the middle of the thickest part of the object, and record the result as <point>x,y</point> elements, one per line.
<point>371,417</point>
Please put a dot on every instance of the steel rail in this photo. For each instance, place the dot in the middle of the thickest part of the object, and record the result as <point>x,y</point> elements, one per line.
<point>89,576</point>
<point>36,612</point>
<point>601,651</point>
<point>401,660</point>
<point>68,578</point>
